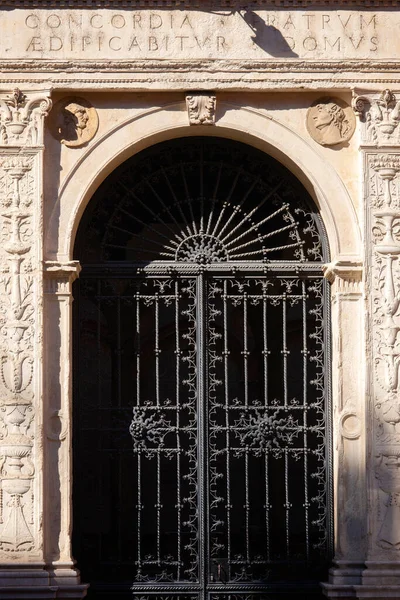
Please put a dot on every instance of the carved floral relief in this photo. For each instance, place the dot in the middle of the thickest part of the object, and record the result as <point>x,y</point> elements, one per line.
<point>380,117</point>
<point>17,331</point>
<point>21,119</point>
<point>21,129</point>
<point>385,236</point>
<point>201,108</point>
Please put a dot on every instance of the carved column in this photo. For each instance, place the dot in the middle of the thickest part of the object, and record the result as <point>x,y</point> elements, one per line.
<point>350,507</point>
<point>23,519</point>
<point>58,427</point>
<point>380,117</point>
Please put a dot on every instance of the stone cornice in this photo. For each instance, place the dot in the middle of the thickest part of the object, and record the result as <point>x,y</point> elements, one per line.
<point>201,65</point>
<point>54,269</point>
<point>200,4</point>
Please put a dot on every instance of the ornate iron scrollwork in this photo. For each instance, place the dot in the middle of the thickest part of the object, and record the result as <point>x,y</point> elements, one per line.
<point>203,376</point>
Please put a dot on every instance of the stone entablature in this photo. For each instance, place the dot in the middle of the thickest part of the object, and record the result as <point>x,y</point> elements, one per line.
<point>262,46</point>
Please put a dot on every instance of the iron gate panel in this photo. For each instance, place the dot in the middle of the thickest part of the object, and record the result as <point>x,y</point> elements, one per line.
<point>217,381</point>
<point>138,331</point>
<point>267,446</point>
<point>202,448</point>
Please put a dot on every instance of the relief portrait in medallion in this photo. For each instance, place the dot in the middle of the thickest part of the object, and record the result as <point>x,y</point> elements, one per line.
<point>73,121</point>
<point>330,121</point>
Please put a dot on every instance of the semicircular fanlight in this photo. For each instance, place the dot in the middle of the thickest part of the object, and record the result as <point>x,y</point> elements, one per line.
<point>202,200</point>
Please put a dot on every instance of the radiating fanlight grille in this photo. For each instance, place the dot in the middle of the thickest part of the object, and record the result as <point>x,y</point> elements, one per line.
<point>203,202</point>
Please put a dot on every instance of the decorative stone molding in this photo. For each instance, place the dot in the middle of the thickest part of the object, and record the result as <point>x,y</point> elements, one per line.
<point>58,279</point>
<point>350,425</point>
<point>380,116</point>
<point>201,108</point>
<point>21,130</point>
<point>17,342</point>
<point>21,119</point>
<point>59,276</point>
<point>383,201</point>
<point>345,276</point>
<point>203,4</point>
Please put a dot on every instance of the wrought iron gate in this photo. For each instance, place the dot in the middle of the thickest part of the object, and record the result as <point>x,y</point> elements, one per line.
<point>202,415</point>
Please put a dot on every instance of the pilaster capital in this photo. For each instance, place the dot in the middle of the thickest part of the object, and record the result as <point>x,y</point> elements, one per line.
<point>344,275</point>
<point>22,116</point>
<point>59,276</point>
<point>379,115</point>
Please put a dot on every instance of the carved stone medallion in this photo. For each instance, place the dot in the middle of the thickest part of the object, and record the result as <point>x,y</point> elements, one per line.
<point>330,121</point>
<point>74,121</point>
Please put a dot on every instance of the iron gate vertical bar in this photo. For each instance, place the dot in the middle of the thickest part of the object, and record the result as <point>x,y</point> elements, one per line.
<point>178,446</point>
<point>327,332</point>
<point>158,451</point>
<point>245,354</point>
<point>285,400</point>
<point>99,396</point>
<point>118,461</point>
<point>139,457</point>
<point>266,352</point>
<point>305,417</point>
<point>227,433</point>
<point>202,431</point>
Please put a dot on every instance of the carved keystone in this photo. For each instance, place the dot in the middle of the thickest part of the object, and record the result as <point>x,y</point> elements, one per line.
<point>201,108</point>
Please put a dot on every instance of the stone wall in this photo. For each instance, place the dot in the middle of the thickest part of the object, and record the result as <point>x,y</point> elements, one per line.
<point>313,84</point>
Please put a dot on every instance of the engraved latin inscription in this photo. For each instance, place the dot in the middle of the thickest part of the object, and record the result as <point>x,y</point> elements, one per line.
<point>115,33</point>
<point>126,34</point>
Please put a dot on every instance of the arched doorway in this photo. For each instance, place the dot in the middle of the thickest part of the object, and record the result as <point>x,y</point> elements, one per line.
<point>201,430</point>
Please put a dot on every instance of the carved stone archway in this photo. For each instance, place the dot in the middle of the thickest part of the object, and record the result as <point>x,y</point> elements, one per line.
<point>344,272</point>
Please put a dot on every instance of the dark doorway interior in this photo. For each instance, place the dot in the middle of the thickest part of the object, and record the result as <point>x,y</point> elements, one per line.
<point>201,406</point>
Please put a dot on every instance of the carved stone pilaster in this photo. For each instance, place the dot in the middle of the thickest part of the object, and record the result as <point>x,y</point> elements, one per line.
<point>201,108</point>
<point>58,288</point>
<point>384,233</point>
<point>21,445</point>
<point>347,291</point>
<point>18,320</point>
<point>57,401</point>
<point>380,137</point>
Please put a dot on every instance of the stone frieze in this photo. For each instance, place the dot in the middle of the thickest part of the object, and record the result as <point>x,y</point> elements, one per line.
<point>259,33</point>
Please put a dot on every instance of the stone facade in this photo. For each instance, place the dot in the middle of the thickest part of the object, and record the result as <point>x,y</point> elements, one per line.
<point>314,84</point>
